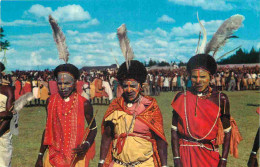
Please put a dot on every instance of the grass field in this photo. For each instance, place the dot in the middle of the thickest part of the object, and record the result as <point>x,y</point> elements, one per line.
<point>32,121</point>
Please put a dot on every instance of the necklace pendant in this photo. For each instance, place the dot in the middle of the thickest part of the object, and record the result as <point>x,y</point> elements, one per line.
<point>129,105</point>
<point>67,99</point>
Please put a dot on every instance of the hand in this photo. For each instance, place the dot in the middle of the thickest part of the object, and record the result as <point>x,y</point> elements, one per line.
<point>252,162</point>
<point>81,149</point>
<point>6,115</point>
<point>177,163</point>
<point>222,163</point>
<point>39,162</point>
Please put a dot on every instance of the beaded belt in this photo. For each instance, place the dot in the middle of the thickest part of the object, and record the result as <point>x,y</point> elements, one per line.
<point>131,164</point>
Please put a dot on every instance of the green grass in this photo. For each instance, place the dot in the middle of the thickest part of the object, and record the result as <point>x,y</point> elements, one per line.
<point>32,121</point>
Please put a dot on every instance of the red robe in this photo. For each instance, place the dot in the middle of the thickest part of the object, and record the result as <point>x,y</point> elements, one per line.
<point>151,117</point>
<point>204,125</point>
<point>80,87</point>
<point>53,87</point>
<point>27,88</point>
<point>18,87</point>
<point>65,129</point>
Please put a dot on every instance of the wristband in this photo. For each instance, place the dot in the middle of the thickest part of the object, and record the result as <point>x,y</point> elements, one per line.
<point>223,159</point>
<point>86,142</point>
<point>253,152</point>
<point>41,154</point>
<point>176,157</point>
<point>101,161</point>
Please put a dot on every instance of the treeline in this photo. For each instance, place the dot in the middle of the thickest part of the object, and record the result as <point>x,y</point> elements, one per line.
<point>162,63</point>
<point>242,57</point>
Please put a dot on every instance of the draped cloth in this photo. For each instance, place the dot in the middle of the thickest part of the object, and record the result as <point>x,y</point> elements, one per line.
<point>199,127</point>
<point>18,87</point>
<point>150,117</point>
<point>65,129</point>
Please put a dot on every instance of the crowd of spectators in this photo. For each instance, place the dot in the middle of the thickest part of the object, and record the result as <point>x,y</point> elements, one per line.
<point>101,86</point>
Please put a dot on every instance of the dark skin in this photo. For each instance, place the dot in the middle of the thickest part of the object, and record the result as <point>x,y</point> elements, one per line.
<point>6,116</point>
<point>108,134</point>
<point>252,162</point>
<point>80,150</point>
<point>225,117</point>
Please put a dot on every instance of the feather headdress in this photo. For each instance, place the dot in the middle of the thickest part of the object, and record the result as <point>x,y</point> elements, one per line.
<point>224,32</point>
<point>204,39</point>
<point>60,40</point>
<point>125,45</point>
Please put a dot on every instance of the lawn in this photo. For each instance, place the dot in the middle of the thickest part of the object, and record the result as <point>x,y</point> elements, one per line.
<point>32,121</point>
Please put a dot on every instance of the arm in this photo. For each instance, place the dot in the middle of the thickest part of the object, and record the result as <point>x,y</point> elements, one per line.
<point>39,162</point>
<point>106,141</point>
<point>83,148</point>
<point>7,115</point>
<point>162,149</point>
<point>175,140</point>
<point>252,162</point>
<point>225,119</point>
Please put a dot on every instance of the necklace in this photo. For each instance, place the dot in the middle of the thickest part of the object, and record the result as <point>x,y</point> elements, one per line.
<point>72,106</point>
<point>186,118</point>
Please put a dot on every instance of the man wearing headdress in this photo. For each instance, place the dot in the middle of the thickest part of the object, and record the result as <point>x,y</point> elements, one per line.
<point>65,127</point>
<point>6,103</point>
<point>132,127</point>
<point>201,120</point>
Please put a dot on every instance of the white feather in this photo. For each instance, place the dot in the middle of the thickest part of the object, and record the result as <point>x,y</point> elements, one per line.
<point>204,33</point>
<point>223,33</point>
<point>60,40</point>
<point>125,45</point>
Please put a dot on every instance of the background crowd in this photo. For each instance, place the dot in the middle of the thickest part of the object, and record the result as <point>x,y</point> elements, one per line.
<point>101,86</point>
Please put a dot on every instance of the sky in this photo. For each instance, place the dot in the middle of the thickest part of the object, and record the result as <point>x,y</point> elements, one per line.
<point>163,30</point>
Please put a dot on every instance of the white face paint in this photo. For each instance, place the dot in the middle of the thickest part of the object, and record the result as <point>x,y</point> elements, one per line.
<point>66,84</point>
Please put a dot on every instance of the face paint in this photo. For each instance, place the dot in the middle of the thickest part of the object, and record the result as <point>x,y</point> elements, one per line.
<point>66,84</point>
<point>200,79</point>
<point>131,89</point>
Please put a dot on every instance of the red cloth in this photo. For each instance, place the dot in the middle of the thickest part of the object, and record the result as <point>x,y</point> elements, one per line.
<point>199,126</point>
<point>258,110</point>
<point>53,87</point>
<point>27,88</point>
<point>65,129</point>
<point>151,117</point>
<point>80,86</point>
<point>98,87</point>
<point>18,87</point>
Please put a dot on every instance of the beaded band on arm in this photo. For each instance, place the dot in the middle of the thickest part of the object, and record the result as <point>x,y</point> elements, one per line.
<point>101,161</point>
<point>174,128</point>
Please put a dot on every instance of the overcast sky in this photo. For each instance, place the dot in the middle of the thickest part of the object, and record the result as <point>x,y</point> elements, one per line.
<point>158,29</point>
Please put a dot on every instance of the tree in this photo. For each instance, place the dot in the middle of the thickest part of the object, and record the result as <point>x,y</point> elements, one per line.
<point>4,46</point>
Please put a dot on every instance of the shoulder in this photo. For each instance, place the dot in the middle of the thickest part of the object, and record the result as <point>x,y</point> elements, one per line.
<point>177,96</point>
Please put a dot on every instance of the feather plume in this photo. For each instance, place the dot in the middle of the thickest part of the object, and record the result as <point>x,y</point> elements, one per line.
<point>204,33</point>
<point>22,101</point>
<point>228,53</point>
<point>125,45</point>
<point>60,40</point>
<point>197,49</point>
<point>223,33</point>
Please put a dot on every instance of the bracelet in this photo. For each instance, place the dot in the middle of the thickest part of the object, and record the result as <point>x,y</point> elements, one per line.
<point>101,161</point>
<point>253,152</point>
<point>93,128</point>
<point>86,142</point>
<point>176,157</point>
<point>40,153</point>
<point>223,159</point>
<point>164,166</point>
<point>174,128</point>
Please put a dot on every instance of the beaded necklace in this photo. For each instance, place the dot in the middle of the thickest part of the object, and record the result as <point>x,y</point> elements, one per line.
<point>74,100</point>
<point>186,118</point>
